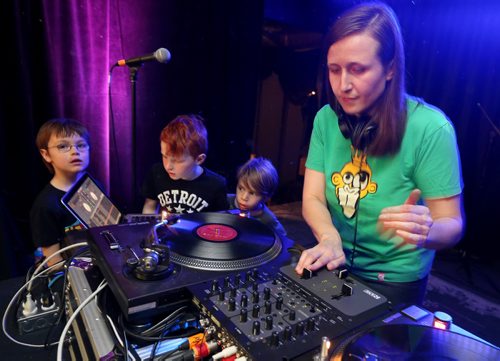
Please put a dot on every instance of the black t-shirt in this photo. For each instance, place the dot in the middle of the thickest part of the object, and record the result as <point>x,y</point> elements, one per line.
<point>207,193</point>
<point>49,219</point>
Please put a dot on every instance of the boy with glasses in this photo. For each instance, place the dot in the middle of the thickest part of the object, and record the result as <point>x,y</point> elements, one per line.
<point>64,147</point>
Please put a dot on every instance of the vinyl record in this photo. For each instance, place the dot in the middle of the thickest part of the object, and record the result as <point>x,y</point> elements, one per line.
<point>413,342</point>
<point>220,241</point>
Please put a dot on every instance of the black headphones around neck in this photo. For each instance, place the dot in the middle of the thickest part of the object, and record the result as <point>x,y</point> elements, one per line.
<point>360,130</point>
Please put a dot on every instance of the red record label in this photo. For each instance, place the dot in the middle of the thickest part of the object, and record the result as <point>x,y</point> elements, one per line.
<point>216,232</point>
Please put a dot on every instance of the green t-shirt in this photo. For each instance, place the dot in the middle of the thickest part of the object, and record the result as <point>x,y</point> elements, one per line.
<point>428,160</point>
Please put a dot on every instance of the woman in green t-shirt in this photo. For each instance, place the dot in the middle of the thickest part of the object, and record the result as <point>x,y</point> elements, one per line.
<point>383,185</point>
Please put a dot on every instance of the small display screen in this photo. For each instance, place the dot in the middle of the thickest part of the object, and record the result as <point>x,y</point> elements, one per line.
<point>90,204</point>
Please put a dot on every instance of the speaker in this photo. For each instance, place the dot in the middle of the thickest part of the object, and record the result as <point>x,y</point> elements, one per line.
<point>360,130</point>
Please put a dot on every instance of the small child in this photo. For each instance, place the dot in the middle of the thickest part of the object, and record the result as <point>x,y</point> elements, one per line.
<point>180,184</point>
<point>64,146</point>
<point>257,182</point>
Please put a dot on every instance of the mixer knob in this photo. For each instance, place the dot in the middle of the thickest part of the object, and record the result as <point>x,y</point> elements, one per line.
<point>255,286</point>
<point>232,291</point>
<point>255,296</point>
<point>249,276</point>
<point>267,293</point>
<point>232,304</point>
<point>279,303</point>
<point>299,329</point>
<point>267,307</point>
<point>215,285</point>
<point>291,316</point>
<point>226,281</point>
<point>269,322</point>
<point>255,311</point>
<point>275,338</point>
<point>256,328</point>
<point>244,300</point>
<point>243,315</point>
<point>237,279</point>
<point>310,323</point>
<point>221,295</point>
<point>287,335</point>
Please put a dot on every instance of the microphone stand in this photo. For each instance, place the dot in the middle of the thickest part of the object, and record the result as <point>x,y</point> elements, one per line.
<point>133,82</point>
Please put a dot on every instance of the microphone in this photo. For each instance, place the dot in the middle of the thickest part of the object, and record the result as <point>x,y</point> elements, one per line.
<point>161,55</point>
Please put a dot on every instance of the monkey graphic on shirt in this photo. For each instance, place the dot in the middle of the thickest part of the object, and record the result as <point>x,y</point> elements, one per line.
<point>353,182</point>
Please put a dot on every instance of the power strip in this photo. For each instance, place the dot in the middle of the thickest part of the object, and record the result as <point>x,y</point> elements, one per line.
<point>40,318</point>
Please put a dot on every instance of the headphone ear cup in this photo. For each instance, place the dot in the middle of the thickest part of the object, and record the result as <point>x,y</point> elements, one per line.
<point>360,131</point>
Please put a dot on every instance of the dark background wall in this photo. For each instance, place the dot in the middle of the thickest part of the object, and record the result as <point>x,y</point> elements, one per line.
<point>249,67</point>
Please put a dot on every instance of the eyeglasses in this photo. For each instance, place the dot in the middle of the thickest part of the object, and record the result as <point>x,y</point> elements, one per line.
<point>66,147</point>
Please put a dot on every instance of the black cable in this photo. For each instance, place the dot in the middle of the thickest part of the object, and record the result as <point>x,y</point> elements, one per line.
<point>153,350</point>
<point>153,339</point>
<point>169,320</point>
<point>354,241</point>
<point>164,329</point>
<point>355,236</point>
<point>125,343</point>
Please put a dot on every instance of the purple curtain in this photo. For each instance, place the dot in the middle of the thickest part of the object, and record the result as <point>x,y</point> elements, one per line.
<point>84,39</point>
<point>80,38</point>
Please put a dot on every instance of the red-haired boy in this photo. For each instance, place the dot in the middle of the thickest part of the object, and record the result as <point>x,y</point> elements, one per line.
<point>180,184</point>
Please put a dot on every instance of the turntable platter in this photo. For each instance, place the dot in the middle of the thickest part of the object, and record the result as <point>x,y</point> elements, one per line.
<point>220,241</point>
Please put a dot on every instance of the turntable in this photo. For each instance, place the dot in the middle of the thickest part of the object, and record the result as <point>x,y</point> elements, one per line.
<point>199,247</point>
<point>395,342</point>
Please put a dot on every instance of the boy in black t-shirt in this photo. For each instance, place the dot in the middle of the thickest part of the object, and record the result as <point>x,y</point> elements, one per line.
<point>180,184</point>
<point>64,147</point>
